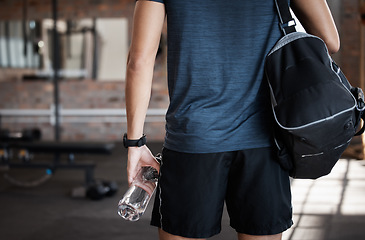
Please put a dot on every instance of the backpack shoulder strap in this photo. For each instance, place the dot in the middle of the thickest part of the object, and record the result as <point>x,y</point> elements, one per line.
<point>287,23</point>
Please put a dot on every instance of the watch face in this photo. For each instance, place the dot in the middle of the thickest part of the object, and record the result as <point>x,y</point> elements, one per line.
<point>125,141</point>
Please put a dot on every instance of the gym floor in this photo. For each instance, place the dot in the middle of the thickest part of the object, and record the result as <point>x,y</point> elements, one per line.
<point>330,208</point>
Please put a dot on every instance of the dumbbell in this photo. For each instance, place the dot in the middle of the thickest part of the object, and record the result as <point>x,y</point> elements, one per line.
<point>4,155</point>
<point>31,134</point>
<point>25,155</point>
<point>99,189</point>
<point>4,134</point>
<point>112,188</point>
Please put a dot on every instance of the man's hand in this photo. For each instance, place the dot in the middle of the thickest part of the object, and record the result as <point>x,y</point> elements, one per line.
<point>137,158</point>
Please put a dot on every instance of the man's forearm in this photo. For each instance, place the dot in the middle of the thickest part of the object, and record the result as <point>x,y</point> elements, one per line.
<point>147,25</point>
<point>316,18</point>
<point>137,92</point>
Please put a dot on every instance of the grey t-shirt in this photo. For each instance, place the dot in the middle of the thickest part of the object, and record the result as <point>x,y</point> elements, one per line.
<point>216,49</point>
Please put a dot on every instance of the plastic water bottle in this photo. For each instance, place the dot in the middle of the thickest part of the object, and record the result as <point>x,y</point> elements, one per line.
<point>134,202</point>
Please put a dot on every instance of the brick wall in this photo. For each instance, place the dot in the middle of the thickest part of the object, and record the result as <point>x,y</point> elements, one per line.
<point>350,53</point>
<point>67,9</point>
<point>350,40</point>
<point>76,94</point>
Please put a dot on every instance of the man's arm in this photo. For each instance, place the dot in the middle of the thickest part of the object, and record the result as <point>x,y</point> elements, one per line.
<point>147,26</point>
<point>316,18</point>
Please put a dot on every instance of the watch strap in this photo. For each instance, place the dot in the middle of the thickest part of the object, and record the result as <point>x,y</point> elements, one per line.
<point>134,142</point>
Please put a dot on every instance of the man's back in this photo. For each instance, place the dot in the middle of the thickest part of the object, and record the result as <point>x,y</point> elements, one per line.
<point>215,70</point>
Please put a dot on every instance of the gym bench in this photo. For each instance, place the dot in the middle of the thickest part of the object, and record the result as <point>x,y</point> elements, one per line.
<point>57,149</point>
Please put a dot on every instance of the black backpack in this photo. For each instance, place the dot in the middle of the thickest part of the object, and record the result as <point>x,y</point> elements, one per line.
<point>316,110</point>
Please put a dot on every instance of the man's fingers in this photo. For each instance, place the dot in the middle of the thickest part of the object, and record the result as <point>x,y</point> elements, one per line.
<point>137,158</point>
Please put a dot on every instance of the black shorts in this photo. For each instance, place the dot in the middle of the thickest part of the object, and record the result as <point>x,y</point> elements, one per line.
<point>193,188</point>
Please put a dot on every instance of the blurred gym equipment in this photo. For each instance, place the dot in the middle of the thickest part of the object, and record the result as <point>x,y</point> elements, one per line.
<point>26,144</point>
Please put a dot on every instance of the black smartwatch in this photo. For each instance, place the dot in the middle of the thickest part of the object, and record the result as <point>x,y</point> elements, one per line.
<point>134,143</point>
